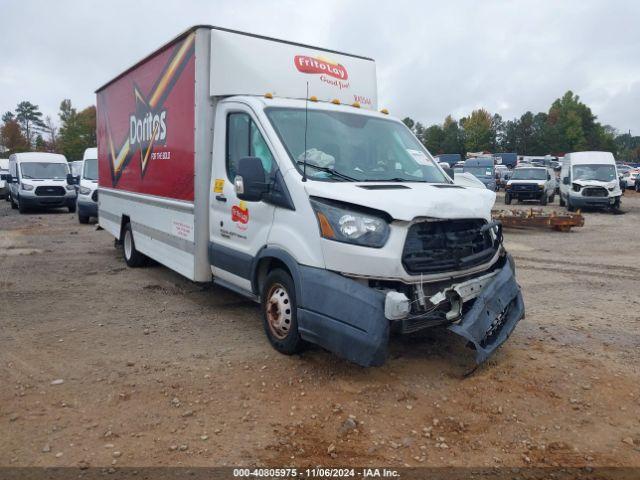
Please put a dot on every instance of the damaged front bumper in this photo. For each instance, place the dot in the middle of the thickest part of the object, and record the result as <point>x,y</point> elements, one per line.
<point>352,320</point>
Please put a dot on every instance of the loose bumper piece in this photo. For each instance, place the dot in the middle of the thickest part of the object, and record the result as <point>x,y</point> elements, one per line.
<point>494,314</point>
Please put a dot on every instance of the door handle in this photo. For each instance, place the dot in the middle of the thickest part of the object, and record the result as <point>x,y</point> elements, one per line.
<point>221,198</point>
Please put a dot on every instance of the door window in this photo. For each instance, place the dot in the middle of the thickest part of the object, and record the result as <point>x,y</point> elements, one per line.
<point>245,140</point>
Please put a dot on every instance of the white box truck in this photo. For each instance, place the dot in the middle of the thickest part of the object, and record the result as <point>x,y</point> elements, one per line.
<point>589,179</point>
<point>264,166</point>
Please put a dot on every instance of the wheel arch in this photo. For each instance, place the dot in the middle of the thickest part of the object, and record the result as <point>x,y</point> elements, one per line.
<point>268,259</point>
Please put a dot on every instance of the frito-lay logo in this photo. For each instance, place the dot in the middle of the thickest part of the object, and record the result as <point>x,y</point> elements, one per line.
<point>319,65</point>
<point>240,214</point>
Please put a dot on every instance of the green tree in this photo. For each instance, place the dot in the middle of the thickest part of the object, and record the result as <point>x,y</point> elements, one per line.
<point>77,130</point>
<point>478,135</point>
<point>29,117</point>
<point>433,139</point>
<point>408,121</point>
<point>12,139</point>
<point>453,141</point>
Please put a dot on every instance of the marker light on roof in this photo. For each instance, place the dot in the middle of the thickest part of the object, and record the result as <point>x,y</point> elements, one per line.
<point>335,101</point>
<point>385,111</point>
<point>356,104</point>
<point>313,98</point>
<point>268,95</point>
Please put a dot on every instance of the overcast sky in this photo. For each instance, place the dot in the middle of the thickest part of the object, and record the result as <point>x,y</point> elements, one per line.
<point>433,58</point>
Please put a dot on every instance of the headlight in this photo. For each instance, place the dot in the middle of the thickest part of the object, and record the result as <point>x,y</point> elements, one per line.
<point>349,226</point>
<point>70,187</point>
<point>541,187</point>
<point>508,187</point>
<point>26,187</point>
<point>84,190</point>
<point>576,187</point>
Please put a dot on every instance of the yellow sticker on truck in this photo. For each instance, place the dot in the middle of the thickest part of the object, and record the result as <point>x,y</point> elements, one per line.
<point>218,185</point>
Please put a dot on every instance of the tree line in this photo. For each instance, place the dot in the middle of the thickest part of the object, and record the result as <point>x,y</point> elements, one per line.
<point>568,126</point>
<point>26,129</point>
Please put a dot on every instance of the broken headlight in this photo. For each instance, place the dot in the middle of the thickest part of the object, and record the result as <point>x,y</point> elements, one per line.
<point>340,223</point>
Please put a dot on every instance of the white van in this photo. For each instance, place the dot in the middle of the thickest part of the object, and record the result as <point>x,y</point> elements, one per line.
<point>40,180</point>
<point>265,166</point>
<point>589,179</point>
<point>87,182</point>
<point>4,172</point>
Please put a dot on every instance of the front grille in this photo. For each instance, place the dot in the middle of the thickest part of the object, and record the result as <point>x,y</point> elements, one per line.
<point>448,245</point>
<point>595,192</point>
<point>525,187</point>
<point>50,191</point>
<point>94,195</point>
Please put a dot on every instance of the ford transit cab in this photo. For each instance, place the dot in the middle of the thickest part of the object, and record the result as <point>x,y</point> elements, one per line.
<point>39,180</point>
<point>589,179</point>
<point>87,182</point>
<point>330,214</point>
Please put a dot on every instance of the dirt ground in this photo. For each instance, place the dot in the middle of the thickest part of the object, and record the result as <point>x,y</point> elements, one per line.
<point>105,365</point>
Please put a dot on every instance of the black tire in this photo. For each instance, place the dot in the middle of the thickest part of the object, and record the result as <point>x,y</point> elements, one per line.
<point>83,219</point>
<point>13,204</point>
<point>72,208</point>
<point>279,313</point>
<point>570,207</point>
<point>132,257</point>
<point>552,198</point>
<point>22,208</point>
<point>637,187</point>
<point>507,199</point>
<point>544,198</point>
<point>561,200</point>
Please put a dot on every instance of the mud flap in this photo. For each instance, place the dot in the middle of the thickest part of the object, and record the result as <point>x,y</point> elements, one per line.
<point>343,316</point>
<point>494,314</point>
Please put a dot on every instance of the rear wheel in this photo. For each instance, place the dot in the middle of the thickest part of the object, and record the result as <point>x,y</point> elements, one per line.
<point>132,256</point>
<point>544,198</point>
<point>279,313</point>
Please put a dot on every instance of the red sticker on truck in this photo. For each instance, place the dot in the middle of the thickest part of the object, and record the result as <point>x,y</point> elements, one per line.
<point>319,65</point>
<point>240,214</point>
<point>146,125</point>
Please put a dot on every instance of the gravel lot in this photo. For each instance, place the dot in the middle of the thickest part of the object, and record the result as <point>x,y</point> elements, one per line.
<point>101,364</point>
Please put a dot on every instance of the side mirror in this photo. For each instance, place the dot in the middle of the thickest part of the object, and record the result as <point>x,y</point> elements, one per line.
<point>565,180</point>
<point>5,176</point>
<point>250,178</point>
<point>548,176</point>
<point>449,171</point>
<point>72,180</point>
<point>10,178</point>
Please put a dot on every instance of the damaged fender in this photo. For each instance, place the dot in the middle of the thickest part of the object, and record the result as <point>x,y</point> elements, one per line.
<point>494,314</point>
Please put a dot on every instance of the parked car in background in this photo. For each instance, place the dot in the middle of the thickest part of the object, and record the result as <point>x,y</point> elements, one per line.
<point>75,167</point>
<point>502,176</point>
<point>450,158</point>
<point>87,183</point>
<point>589,179</point>
<point>530,183</point>
<point>483,169</point>
<point>4,172</point>
<point>508,159</point>
<point>622,169</point>
<point>629,178</point>
<point>39,180</point>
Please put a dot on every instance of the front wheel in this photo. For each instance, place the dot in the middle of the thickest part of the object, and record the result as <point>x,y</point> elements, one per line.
<point>13,203</point>
<point>72,208</point>
<point>132,256</point>
<point>543,199</point>
<point>570,207</point>
<point>561,201</point>
<point>552,198</point>
<point>83,219</point>
<point>507,199</point>
<point>637,187</point>
<point>279,313</point>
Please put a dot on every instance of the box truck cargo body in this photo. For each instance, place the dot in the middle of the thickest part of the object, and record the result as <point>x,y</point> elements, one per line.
<point>264,166</point>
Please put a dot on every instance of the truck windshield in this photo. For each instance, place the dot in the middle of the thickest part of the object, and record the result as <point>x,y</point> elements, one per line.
<point>43,170</point>
<point>90,169</point>
<point>479,171</point>
<point>353,147</point>
<point>529,174</point>
<point>601,173</point>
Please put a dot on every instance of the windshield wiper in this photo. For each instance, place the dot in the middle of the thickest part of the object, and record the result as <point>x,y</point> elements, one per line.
<point>330,171</point>
<point>393,179</point>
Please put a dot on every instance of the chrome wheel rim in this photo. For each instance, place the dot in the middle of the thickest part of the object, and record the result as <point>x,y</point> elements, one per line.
<point>127,244</point>
<point>279,311</point>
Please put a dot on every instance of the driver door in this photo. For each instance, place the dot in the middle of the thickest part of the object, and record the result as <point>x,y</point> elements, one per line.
<point>238,229</point>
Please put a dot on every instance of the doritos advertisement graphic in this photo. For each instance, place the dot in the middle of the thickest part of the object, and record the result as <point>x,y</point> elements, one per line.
<point>146,126</point>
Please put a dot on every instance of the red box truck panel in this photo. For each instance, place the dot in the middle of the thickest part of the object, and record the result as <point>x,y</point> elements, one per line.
<point>146,125</point>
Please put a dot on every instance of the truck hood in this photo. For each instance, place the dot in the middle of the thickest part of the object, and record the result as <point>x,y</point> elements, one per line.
<point>407,201</point>
<point>596,183</point>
